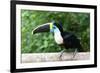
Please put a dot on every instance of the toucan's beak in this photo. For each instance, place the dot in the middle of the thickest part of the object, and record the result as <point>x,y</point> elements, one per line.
<point>42,28</point>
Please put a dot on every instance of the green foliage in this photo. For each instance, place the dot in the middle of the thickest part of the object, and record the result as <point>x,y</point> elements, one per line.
<point>77,23</point>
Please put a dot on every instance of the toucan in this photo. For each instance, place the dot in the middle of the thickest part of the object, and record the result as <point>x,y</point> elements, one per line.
<point>65,38</point>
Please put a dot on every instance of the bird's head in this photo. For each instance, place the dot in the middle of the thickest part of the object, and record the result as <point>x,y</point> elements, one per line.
<point>48,27</point>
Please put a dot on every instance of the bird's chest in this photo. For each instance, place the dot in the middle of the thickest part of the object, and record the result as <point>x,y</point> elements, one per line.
<point>58,38</point>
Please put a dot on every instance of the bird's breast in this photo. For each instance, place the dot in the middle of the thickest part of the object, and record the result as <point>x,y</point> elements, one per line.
<point>58,38</point>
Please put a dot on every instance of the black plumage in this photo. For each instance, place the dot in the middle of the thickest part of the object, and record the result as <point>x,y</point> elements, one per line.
<point>70,39</point>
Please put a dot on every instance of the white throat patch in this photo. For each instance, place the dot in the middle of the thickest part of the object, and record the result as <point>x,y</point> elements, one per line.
<point>58,38</point>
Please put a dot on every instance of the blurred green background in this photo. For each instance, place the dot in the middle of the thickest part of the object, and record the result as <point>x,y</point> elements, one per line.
<point>78,23</point>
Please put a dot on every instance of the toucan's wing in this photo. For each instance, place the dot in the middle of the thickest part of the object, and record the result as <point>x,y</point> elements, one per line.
<point>71,41</point>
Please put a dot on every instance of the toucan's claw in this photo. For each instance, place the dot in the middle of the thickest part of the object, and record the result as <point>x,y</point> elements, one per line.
<point>74,54</point>
<point>61,54</point>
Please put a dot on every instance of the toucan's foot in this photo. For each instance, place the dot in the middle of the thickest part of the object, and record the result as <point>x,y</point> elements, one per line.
<point>74,54</point>
<point>60,57</point>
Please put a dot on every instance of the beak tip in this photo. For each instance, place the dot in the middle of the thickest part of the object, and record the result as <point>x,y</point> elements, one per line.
<point>33,32</point>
